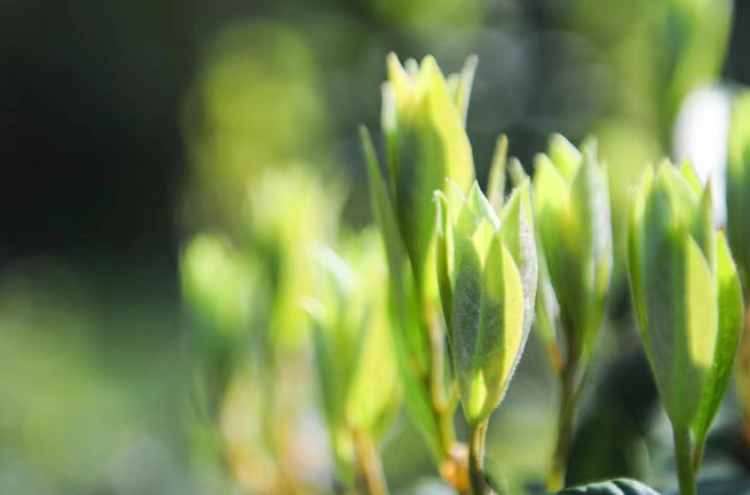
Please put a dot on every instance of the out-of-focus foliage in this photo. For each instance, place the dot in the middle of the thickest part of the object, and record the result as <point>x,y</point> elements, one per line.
<point>352,339</point>
<point>258,139</point>
<point>427,17</point>
<point>288,211</point>
<point>688,39</point>
<point>255,106</point>
<point>218,284</point>
<point>698,31</point>
<point>738,229</point>
<point>222,293</point>
<point>738,186</point>
<point>251,330</point>
<point>676,46</point>
<point>75,412</point>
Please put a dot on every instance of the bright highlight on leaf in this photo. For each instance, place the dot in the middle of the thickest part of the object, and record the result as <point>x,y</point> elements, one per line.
<point>487,270</point>
<point>424,143</point>
<point>687,296</point>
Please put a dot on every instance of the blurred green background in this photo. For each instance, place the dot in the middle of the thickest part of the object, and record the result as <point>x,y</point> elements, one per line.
<point>127,127</point>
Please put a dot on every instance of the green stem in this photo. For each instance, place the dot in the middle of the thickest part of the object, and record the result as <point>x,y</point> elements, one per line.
<point>442,406</point>
<point>369,465</point>
<point>446,432</point>
<point>478,480</point>
<point>571,387</point>
<point>453,465</point>
<point>683,457</point>
<point>556,479</point>
<point>452,458</point>
<point>698,455</point>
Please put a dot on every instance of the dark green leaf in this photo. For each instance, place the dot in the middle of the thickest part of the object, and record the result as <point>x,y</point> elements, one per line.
<point>614,487</point>
<point>738,186</point>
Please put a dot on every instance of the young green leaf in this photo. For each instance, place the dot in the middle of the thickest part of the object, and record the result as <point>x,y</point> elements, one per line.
<point>408,340</point>
<point>516,172</point>
<point>429,146</point>
<point>565,157</point>
<point>687,295</point>
<point>496,184</point>
<point>444,258</point>
<point>635,250</point>
<point>671,261</point>
<point>589,239</point>
<point>492,287</point>
<point>728,339</point>
<point>688,172</point>
<point>464,81</point>
<point>517,233</point>
<point>571,204</point>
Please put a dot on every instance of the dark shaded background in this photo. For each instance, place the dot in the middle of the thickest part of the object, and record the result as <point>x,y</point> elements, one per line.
<point>90,100</point>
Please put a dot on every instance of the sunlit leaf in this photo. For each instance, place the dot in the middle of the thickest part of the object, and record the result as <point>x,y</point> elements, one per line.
<point>687,296</point>
<point>430,146</point>
<point>588,238</point>
<point>493,288</point>
<point>729,332</point>
<point>688,172</point>
<point>565,157</point>
<point>571,205</point>
<point>464,81</point>
<point>516,172</point>
<point>408,340</point>
<point>517,234</point>
<point>496,184</point>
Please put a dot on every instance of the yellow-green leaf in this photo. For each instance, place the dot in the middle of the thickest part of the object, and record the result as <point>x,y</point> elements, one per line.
<point>728,339</point>
<point>565,156</point>
<point>496,183</point>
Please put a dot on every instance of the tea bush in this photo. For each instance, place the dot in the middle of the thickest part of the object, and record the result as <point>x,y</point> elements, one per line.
<point>434,305</point>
